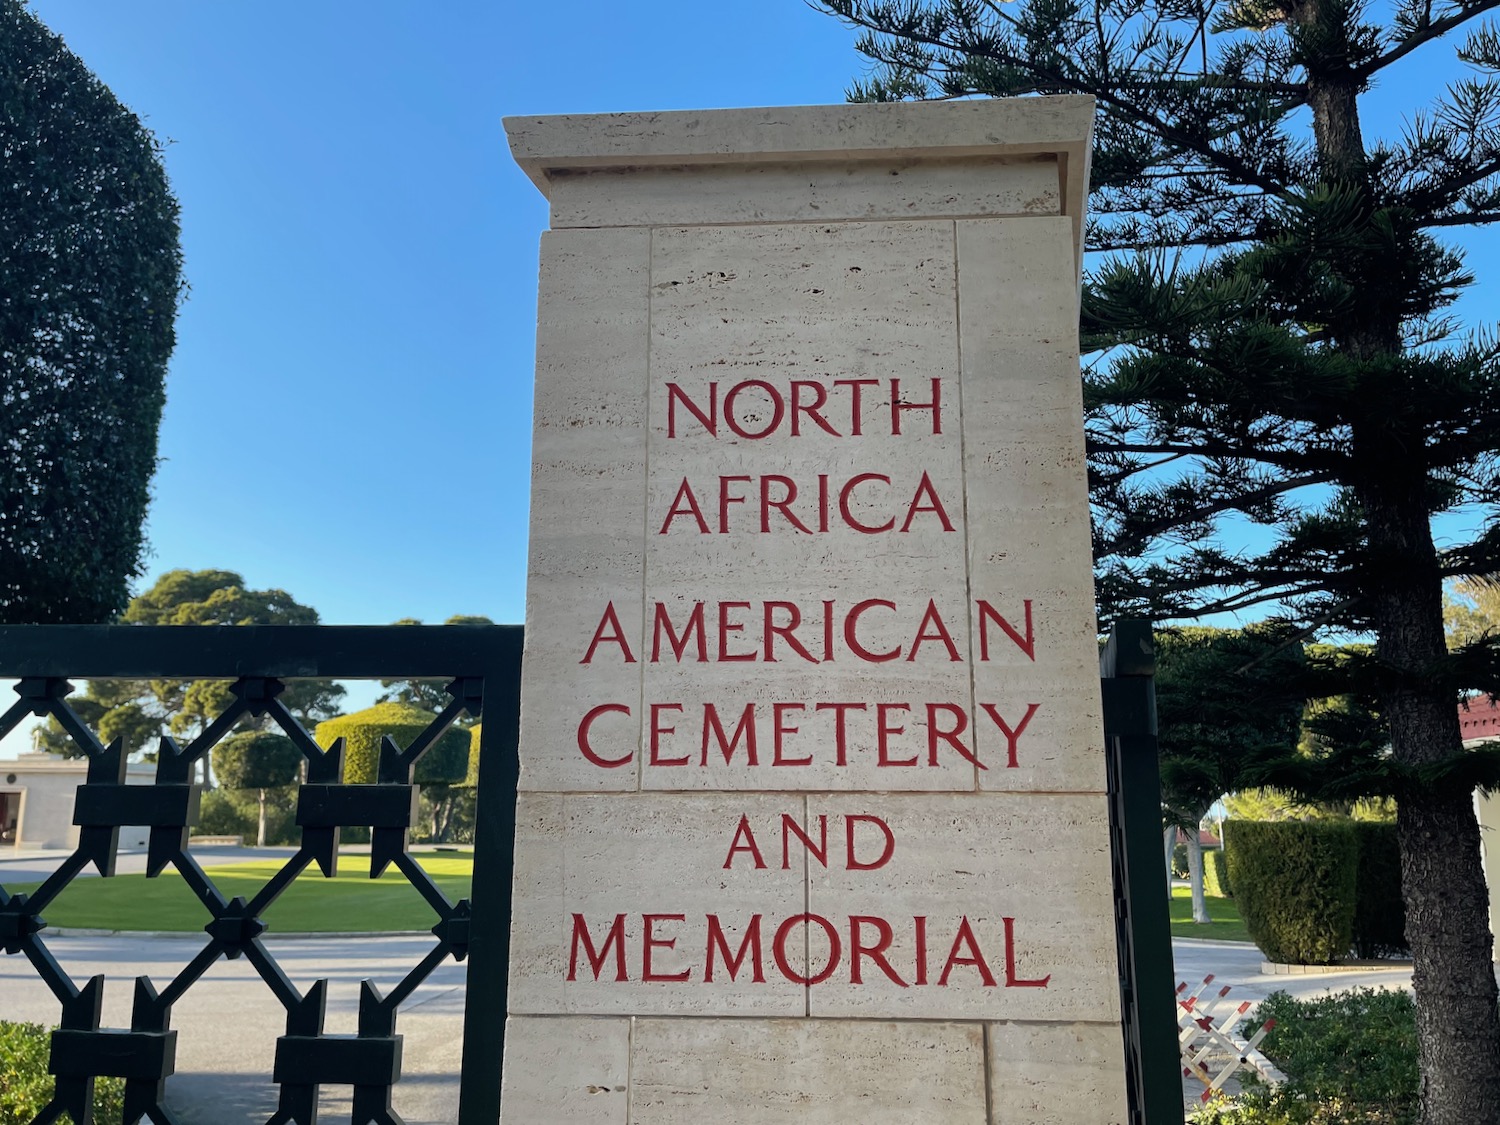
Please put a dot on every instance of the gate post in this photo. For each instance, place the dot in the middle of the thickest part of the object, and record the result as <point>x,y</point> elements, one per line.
<point>1127,667</point>
<point>494,863</point>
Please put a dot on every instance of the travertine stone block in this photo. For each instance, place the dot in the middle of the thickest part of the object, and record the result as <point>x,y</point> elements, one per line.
<point>806,1072</point>
<point>566,1070</point>
<point>1023,451</point>
<point>816,354</point>
<point>588,480</point>
<point>812,761</point>
<point>823,193</point>
<point>1056,1074</point>
<point>1010,888</point>
<point>624,904</point>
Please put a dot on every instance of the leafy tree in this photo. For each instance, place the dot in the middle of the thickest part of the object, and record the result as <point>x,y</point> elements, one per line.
<point>259,760</point>
<point>1471,611</point>
<point>427,694</point>
<point>90,275</point>
<point>1226,700</point>
<point>140,711</point>
<point>1280,370</point>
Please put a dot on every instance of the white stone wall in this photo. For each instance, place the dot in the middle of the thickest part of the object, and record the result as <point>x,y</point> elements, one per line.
<point>46,786</point>
<point>812,825</point>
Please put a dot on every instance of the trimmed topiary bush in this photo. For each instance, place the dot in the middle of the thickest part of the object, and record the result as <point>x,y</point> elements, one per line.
<point>1379,912</point>
<point>471,777</point>
<point>25,1085</point>
<point>259,762</point>
<point>446,761</point>
<point>1294,884</point>
<point>1216,873</point>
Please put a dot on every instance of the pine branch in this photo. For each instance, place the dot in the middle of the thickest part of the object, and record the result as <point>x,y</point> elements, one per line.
<point>852,12</point>
<point>1463,219</point>
<point>1435,29</point>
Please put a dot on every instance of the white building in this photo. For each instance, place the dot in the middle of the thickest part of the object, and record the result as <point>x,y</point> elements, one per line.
<point>36,801</point>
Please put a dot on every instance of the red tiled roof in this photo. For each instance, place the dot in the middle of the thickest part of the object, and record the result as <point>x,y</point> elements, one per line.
<point>1479,718</point>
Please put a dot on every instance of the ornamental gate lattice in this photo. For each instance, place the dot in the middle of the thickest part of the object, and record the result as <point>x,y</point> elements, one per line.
<point>482,666</point>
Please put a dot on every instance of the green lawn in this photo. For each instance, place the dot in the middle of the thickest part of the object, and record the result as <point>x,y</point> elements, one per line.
<point>349,903</point>
<point>1226,924</point>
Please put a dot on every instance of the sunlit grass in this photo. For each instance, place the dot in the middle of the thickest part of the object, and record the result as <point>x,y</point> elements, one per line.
<point>1226,924</point>
<point>349,903</point>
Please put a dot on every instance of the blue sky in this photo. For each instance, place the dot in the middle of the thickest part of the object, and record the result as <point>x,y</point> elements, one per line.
<point>349,404</point>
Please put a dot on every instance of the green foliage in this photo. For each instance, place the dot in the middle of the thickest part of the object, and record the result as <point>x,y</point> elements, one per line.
<point>25,1085</point>
<point>262,762</point>
<point>449,811</point>
<point>1227,700</point>
<point>1471,611</point>
<point>1269,803</point>
<point>139,711</point>
<point>218,815</point>
<point>445,762</point>
<point>1179,861</point>
<point>236,812</point>
<point>1350,1059</point>
<point>1216,873</point>
<point>1294,884</point>
<point>90,273</point>
<point>1379,912</point>
<point>471,774</point>
<point>256,760</point>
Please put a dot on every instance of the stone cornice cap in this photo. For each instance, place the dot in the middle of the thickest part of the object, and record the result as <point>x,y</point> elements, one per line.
<point>1061,126</point>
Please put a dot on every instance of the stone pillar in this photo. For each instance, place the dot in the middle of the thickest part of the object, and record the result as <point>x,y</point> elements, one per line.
<point>812,825</point>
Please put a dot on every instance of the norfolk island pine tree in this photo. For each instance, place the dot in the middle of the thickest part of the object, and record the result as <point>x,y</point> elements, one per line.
<point>1276,351</point>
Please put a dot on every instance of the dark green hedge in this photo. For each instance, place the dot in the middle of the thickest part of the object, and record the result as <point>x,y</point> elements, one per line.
<point>1379,912</point>
<point>1216,873</point>
<point>90,276</point>
<point>1294,883</point>
<point>446,761</point>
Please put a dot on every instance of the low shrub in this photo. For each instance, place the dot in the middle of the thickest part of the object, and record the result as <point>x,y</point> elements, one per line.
<point>234,812</point>
<point>1216,873</point>
<point>1350,1059</point>
<point>25,1085</point>
<point>1294,884</point>
<point>1379,912</point>
<point>218,816</point>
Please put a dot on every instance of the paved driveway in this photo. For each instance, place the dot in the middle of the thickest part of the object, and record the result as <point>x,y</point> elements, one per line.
<point>228,1022</point>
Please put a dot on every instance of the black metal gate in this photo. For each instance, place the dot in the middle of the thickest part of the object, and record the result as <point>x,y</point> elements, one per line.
<point>1127,668</point>
<point>482,665</point>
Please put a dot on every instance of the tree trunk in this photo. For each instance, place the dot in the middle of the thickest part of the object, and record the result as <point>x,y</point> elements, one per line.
<point>1447,924</point>
<point>1195,875</point>
<point>1169,843</point>
<point>260,833</point>
<point>1442,882</point>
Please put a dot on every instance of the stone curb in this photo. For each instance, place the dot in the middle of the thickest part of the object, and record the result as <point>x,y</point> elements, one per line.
<point>1210,941</point>
<point>1277,968</point>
